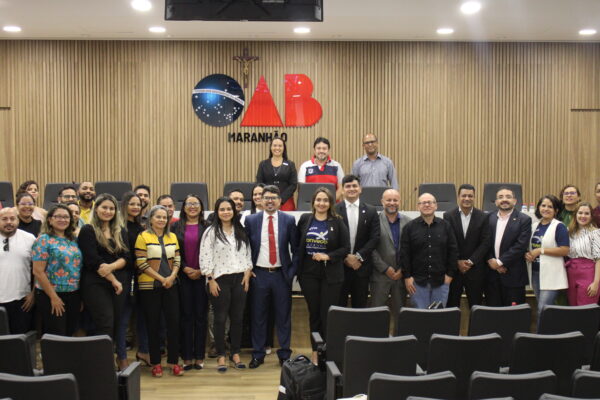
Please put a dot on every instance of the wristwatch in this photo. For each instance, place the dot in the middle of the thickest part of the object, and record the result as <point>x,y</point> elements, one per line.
<point>209,278</point>
<point>357,255</point>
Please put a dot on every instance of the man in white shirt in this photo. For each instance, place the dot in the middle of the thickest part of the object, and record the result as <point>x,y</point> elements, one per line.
<point>16,294</point>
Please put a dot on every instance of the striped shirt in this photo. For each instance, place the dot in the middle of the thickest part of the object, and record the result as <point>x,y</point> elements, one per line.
<point>585,244</point>
<point>330,172</point>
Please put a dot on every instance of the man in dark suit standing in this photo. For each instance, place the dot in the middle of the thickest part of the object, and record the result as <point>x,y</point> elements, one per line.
<point>273,234</point>
<point>363,225</point>
<point>510,232</point>
<point>472,234</point>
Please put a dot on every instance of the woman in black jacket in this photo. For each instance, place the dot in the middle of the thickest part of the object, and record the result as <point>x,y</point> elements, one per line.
<point>324,242</point>
<point>279,171</point>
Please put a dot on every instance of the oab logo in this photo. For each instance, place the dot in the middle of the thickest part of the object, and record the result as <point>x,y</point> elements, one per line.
<point>219,100</point>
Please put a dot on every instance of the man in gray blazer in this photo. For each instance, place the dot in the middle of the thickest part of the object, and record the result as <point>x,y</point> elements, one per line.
<point>386,277</point>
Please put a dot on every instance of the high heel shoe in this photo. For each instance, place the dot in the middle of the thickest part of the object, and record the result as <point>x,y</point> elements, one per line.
<point>221,367</point>
<point>142,360</point>
<point>237,365</point>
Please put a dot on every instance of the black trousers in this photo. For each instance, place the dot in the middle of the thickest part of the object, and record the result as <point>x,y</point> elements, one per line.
<point>473,286</point>
<point>66,324</point>
<point>355,286</point>
<point>19,321</point>
<point>104,305</point>
<point>194,317</point>
<point>229,303</point>
<point>319,296</point>
<point>156,302</point>
<point>498,295</point>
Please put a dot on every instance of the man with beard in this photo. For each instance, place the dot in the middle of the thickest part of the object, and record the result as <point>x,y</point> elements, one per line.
<point>87,194</point>
<point>373,168</point>
<point>321,168</point>
<point>143,192</point>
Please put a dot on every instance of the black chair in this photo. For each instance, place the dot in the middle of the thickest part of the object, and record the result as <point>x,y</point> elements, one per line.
<point>397,387</point>
<point>51,193</point>
<point>16,355</point>
<point>306,191</point>
<point>341,322</point>
<point>30,337</point>
<point>116,188</point>
<point>244,187</point>
<point>547,396</point>
<point>444,193</point>
<point>91,360</point>
<point>562,354</point>
<point>49,387</point>
<point>372,195</point>
<point>563,319</point>
<point>595,362</point>
<point>485,385</point>
<point>505,321</point>
<point>462,355</point>
<point>586,384</point>
<point>424,323</point>
<point>489,195</point>
<point>364,356</point>
<point>179,190</point>
<point>430,398</point>
<point>7,197</point>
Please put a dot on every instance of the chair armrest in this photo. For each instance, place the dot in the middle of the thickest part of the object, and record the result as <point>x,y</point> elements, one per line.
<point>334,381</point>
<point>317,339</point>
<point>321,347</point>
<point>129,382</point>
<point>30,338</point>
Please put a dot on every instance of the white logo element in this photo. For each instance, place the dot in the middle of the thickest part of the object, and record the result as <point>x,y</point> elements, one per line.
<point>220,93</point>
<point>317,235</point>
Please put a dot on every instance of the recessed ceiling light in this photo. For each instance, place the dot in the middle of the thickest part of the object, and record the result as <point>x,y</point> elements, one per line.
<point>157,29</point>
<point>302,29</point>
<point>141,5</point>
<point>445,31</point>
<point>470,7</point>
<point>12,28</point>
<point>587,32</point>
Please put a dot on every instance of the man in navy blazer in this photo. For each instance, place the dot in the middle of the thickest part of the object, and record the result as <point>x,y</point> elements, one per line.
<point>510,232</point>
<point>273,234</point>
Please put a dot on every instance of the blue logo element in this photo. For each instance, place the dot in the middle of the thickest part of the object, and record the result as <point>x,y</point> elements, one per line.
<point>218,100</point>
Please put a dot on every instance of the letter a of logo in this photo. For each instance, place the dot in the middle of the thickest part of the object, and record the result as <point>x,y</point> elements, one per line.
<point>301,109</point>
<point>262,110</point>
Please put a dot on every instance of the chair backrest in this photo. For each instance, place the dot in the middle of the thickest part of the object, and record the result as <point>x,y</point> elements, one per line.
<point>364,356</point>
<point>16,355</point>
<point>7,197</point>
<point>372,195</point>
<point>586,384</point>
<point>430,398</point>
<point>462,355</point>
<point>342,322</point>
<point>116,188</point>
<point>4,327</point>
<point>246,189</point>
<point>48,387</point>
<point>505,321</point>
<point>306,191</point>
<point>489,195</point>
<point>595,361</point>
<point>179,190</point>
<point>90,359</point>
<point>485,385</point>
<point>562,354</point>
<point>563,319</point>
<point>51,193</point>
<point>548,396</point>
<point>424,323</point>
<point>398,387</point>
<point>444,193</point>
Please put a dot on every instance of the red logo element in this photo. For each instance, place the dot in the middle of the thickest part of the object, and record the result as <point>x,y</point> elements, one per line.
<point>262,110</point>
<point>301,109</point>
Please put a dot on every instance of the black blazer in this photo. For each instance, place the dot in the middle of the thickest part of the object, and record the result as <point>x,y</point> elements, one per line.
<point>338,247</point>
<point>93,254</point>
<point>514,245</point>
<point>181,237</point>
<point>367,234</point>
<point>476,245</point>
<point>286,179</point>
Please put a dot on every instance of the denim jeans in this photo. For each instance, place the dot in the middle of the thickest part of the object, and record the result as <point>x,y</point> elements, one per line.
<point>544,297</point>
<point>427,294</point>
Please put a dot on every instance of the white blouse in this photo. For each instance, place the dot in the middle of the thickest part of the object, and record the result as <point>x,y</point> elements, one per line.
<point>218,258</point>
<point>585,244</point>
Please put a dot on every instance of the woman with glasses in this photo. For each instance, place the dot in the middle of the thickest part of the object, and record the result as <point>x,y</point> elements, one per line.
<point>33,189</point>
<point>194,300</point>
<point>279,171</point>
<point>25,208</point>
<point>56,268</point>
<point>570,196</point>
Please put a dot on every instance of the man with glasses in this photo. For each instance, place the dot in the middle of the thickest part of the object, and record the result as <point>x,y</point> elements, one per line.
<point>67,194</point>
<point>87,194</point>
<point>16,294</point>
<point>273,234</point>
<point>510,232</point>
<point>374,169</point>
<point>428,253</point>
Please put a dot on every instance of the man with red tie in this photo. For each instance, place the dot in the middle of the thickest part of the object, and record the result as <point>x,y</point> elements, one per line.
<point>273,234</point>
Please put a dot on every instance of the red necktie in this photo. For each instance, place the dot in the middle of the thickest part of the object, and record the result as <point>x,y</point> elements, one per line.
<point>272,247</point>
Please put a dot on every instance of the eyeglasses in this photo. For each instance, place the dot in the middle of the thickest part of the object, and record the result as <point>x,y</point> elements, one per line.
<point>192,204</point>
<point>5,242</point>
<point>68,196</point>
<point>26,204</point>
<point>270,198</point>
<point>426,203</point>
<point>569,193</point>
<point>61,217</point>
<point>370,142</point>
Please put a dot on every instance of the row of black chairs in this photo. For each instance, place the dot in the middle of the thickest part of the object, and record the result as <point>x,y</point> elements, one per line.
<point>445,193</point>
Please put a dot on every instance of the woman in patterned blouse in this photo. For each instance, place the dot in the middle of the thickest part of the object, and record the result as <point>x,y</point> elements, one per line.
<point>56,267</point>
<point>583,267</point>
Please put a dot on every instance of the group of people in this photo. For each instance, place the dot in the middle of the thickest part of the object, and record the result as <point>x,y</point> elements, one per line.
<point>117,259</point>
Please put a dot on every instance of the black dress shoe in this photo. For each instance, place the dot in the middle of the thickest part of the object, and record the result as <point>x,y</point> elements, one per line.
<point>282,360</point>
<point>255,363</point>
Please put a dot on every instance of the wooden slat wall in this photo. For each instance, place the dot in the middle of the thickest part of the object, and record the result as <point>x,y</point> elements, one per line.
<point>461,112</point>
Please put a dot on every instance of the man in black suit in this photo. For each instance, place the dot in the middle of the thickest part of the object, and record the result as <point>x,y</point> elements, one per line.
<point>471,229</point>
<point>510,232</point>
<point>363,224</point>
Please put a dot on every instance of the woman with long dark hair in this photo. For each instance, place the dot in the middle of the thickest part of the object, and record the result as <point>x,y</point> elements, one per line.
<point>193,297</point>
<point>227,264</point>
<point>279,171</point>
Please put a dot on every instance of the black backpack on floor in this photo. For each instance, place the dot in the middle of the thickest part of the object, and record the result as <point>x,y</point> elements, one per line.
<point>301,380</point>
